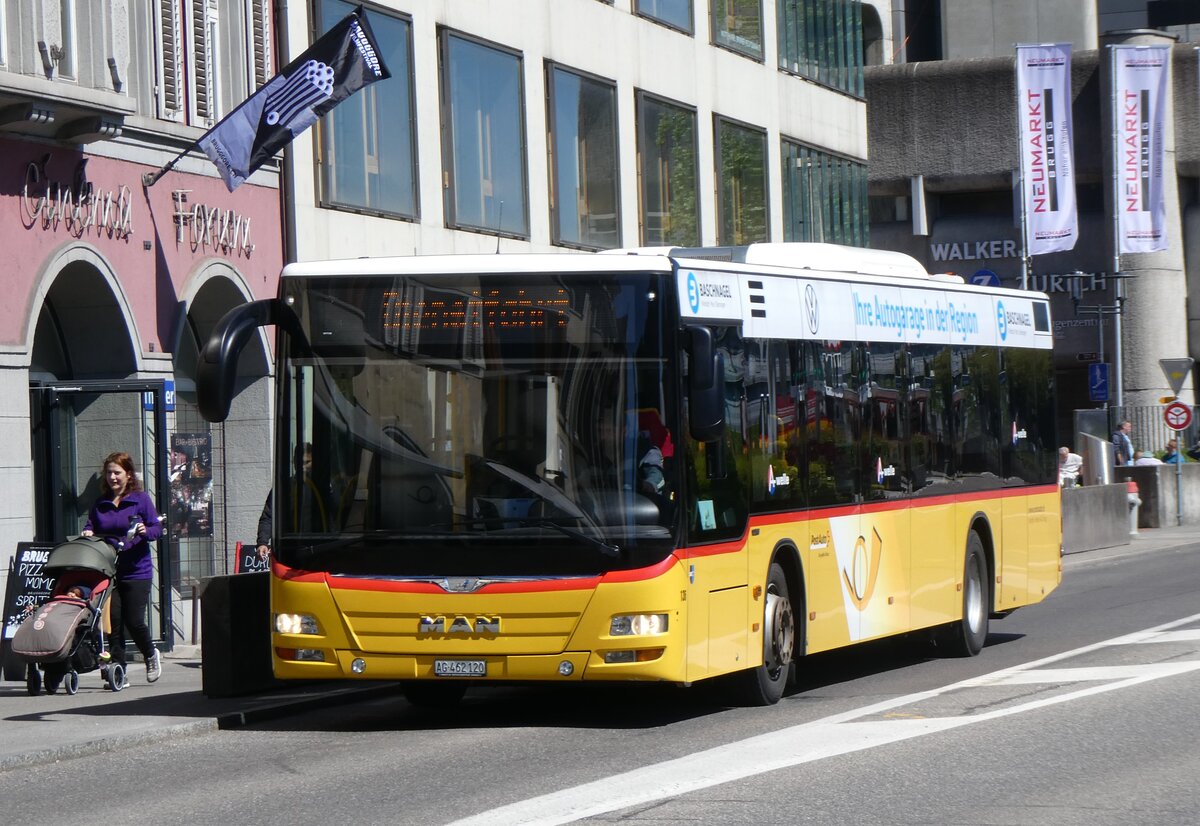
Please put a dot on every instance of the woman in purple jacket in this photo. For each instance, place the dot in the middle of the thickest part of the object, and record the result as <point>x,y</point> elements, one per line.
<point>125,516</point>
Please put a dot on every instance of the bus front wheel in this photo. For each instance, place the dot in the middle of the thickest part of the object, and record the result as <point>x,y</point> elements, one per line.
<point>965,637</point>
<point>765,684</point>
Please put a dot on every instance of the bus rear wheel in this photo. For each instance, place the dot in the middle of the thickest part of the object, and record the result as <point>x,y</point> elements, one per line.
<point>764,685</point>
<point>965,637</point>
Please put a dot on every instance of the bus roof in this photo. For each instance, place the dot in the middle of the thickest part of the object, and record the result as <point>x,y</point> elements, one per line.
<point>493,264</point>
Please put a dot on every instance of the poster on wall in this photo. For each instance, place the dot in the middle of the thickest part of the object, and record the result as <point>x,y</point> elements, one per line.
<point>1047,166</point>
<point>191,485</point>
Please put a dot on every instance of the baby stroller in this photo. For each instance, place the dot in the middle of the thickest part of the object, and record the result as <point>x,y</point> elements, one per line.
<point>65,636</point>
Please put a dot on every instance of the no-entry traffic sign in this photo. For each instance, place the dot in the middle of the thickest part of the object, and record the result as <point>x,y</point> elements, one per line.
<point>1178,416</point>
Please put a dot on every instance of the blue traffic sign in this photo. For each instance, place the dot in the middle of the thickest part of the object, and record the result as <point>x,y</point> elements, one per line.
<point>1098,382</point>
<point>985,278</point>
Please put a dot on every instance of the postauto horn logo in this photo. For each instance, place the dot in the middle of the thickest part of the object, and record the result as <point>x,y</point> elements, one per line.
<point>693,290</point>
<point>1001,321</point>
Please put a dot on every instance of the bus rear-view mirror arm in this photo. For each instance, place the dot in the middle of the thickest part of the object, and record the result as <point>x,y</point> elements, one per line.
<point>216,372</point>
<point>706,396</point>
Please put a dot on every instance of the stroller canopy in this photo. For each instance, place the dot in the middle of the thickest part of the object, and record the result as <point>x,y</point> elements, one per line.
<point>88,552</point>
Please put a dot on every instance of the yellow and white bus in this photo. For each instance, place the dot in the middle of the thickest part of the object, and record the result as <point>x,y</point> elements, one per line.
<point>659,465</point>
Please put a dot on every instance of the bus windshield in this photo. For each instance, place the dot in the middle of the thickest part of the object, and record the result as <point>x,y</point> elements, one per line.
<point>480,425</point>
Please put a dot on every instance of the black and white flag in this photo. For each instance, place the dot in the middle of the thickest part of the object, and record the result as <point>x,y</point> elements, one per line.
<point>342,61</point>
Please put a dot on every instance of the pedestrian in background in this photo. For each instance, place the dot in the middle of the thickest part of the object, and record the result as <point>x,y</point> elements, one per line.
<point>1122,444</point>
<point>1069,467</point>
<point>125,516</point>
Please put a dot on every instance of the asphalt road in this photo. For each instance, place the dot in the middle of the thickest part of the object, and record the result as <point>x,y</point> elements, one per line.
<point>1080,710</point>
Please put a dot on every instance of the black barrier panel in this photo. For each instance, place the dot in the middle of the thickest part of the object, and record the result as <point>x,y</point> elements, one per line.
<point>235,631</point>
<point>28,587</point>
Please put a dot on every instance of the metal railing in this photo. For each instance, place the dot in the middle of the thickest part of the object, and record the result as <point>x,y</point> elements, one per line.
<point>1149,430</point>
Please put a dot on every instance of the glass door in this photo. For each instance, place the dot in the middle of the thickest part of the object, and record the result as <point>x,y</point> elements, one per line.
<point>74,426</point>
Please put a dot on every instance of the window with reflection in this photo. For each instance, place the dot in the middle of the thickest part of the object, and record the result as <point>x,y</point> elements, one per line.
<point>368,145</point>
<point>483,137</point>
<point>822,40</point>
<point>742,176</point>
<point>584,173</point>
<point>884,468</point>
<point>717,490</point>
<point>833,420</point>
<point>675,13</point>
<point>737,25</point>
<point>824,196</point>
<point>670,212</point>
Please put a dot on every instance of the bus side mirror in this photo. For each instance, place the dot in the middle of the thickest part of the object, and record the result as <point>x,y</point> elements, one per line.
<point>706,396</point>
<point>216,372</point>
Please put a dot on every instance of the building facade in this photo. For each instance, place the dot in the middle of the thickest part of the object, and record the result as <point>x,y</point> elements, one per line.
<point>110,284</point>
<point>583,124</point>
<point>943,181</point>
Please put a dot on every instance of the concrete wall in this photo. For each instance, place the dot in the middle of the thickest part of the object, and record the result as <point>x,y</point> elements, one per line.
<point>1157,489</point>
<point>1095,517</point>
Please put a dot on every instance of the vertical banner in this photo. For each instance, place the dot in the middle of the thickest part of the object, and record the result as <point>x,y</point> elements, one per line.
<point>1047,165</point>
<point>1140,75</point>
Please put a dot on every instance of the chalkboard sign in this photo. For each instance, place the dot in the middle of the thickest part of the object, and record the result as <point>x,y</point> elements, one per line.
<point>28,586</point>
<point>248,560</point>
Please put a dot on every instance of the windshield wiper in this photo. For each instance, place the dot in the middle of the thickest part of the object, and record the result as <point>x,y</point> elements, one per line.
<point>510,522</point>
<point>541,522</point>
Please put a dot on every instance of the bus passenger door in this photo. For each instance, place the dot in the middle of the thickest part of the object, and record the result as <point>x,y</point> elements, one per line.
<point>716,515</point>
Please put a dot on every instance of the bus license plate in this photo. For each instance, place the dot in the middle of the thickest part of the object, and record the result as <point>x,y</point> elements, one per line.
<point>460,668</point>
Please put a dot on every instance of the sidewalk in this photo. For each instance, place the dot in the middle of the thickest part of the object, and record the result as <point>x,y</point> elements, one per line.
<point>53,727</point>
<point>48,727</point>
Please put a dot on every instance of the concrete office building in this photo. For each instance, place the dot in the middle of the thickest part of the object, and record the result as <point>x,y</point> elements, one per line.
<point>943,161</point>
<point>516,126</point>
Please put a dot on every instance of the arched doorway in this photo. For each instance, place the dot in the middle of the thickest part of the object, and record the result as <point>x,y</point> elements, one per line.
<point>89,396</point>
<point>213,513</point>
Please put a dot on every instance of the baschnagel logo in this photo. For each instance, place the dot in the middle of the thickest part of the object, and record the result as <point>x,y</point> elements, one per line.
<point>693,291</point>
<point>1001,321</point>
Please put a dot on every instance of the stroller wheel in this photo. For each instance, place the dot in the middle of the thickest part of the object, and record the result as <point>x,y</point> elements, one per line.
<point>116,677</point>
<point>33,680</point>
<point>71,682</point>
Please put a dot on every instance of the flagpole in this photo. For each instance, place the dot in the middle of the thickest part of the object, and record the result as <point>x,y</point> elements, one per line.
<point>1116,217</point>
<point>149,179</point>
<point>1021,181</point>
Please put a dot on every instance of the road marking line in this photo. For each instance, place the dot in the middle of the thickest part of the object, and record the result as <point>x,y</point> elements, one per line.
<point>1078,675</point>
<point>828,737</point>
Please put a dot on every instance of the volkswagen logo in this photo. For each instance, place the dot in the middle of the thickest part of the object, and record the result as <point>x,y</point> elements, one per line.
<point>811,309</point>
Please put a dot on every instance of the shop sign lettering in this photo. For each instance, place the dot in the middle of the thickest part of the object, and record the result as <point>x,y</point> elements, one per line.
<point>211,228</point>
<point>78,206</point>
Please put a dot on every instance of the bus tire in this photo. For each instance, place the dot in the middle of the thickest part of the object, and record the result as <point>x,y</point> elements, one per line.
<point>965,637</point>
<point>764,685</point>
<point>433,694</point>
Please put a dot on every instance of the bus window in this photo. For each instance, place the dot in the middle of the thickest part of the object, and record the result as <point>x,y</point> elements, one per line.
<point>831,424</point>
<point>717,495</point>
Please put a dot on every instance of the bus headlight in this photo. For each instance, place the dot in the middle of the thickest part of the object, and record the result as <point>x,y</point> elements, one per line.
<point>638,625</point>
<point>296,624</point>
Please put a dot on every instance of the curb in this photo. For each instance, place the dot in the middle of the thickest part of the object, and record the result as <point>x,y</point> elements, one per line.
<point>106,744</point>
<point>285,708</point>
